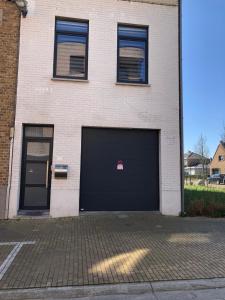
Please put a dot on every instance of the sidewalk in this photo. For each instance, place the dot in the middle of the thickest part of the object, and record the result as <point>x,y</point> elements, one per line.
<point>109,249</point>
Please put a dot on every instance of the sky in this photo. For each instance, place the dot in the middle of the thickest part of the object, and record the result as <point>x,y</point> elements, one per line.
<point>203,71</point>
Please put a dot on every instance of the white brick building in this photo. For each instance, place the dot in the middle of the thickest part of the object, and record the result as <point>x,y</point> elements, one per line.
<point>128,79</point>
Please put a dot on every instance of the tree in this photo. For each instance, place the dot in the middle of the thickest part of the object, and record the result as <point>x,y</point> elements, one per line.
<point>202,149</point>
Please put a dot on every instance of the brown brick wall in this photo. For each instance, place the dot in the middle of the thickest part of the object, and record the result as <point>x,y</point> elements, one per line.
<point>216,164</point>
<point>9,42</point>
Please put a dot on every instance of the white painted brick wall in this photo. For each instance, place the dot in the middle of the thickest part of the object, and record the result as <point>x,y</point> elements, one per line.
<point>99,102</point>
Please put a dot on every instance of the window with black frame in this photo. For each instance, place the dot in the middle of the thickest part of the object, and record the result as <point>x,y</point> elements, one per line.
<point>132,54</point>
<point>71,49</point>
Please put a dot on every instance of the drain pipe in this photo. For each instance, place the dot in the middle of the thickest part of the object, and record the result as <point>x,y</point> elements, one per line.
<point>10,172</point>
<point>22,5</point>
<point>181,110</point>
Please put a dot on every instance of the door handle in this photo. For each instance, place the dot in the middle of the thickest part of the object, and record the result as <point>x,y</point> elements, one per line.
<point>47,171</point>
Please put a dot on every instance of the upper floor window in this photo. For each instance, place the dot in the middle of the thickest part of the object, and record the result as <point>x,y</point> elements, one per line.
<point>221,158</point>
<point>71,49</point>
<point>132,54</point>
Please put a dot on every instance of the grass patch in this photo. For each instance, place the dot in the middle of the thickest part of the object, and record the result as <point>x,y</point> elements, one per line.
<point>204,201</point>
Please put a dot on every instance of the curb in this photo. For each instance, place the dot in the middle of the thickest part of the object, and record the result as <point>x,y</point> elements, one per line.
<point>112,290</point>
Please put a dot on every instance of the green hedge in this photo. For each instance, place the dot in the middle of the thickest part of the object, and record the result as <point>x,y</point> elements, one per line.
<point>204,201</point>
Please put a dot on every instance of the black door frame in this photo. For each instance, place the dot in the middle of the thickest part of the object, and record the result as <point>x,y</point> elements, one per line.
<point>23,167</point>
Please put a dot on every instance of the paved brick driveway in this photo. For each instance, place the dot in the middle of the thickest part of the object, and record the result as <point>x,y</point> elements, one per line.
<point>99,249</point>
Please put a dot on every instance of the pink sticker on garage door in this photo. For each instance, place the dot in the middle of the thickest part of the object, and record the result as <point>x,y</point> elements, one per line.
<point>119,165</point>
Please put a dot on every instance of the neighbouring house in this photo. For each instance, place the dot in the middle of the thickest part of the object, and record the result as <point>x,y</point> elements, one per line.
<point>196,164</point>
<point>197,170</point>
<point>217,165</point>
<point>9,46</point>
<point>98,115</point>
<point>193,159</point>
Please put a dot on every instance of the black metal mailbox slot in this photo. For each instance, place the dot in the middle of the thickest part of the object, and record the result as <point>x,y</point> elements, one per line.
<point>61,171</point>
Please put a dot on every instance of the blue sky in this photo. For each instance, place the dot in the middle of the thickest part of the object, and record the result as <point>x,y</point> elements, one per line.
<point>203,71</point>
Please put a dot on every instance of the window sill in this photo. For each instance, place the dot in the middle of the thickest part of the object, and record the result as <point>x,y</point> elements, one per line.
<point>69,79</point>
<point>133,84</point>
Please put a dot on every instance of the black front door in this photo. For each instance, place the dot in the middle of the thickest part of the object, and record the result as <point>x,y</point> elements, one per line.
<point>120,170</point>
<point>36,173</point>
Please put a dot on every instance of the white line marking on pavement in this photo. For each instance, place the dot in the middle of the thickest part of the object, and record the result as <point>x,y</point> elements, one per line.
<point>10,258</point>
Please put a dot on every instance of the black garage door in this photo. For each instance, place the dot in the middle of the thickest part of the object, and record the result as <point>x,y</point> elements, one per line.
<point>119,170</point>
